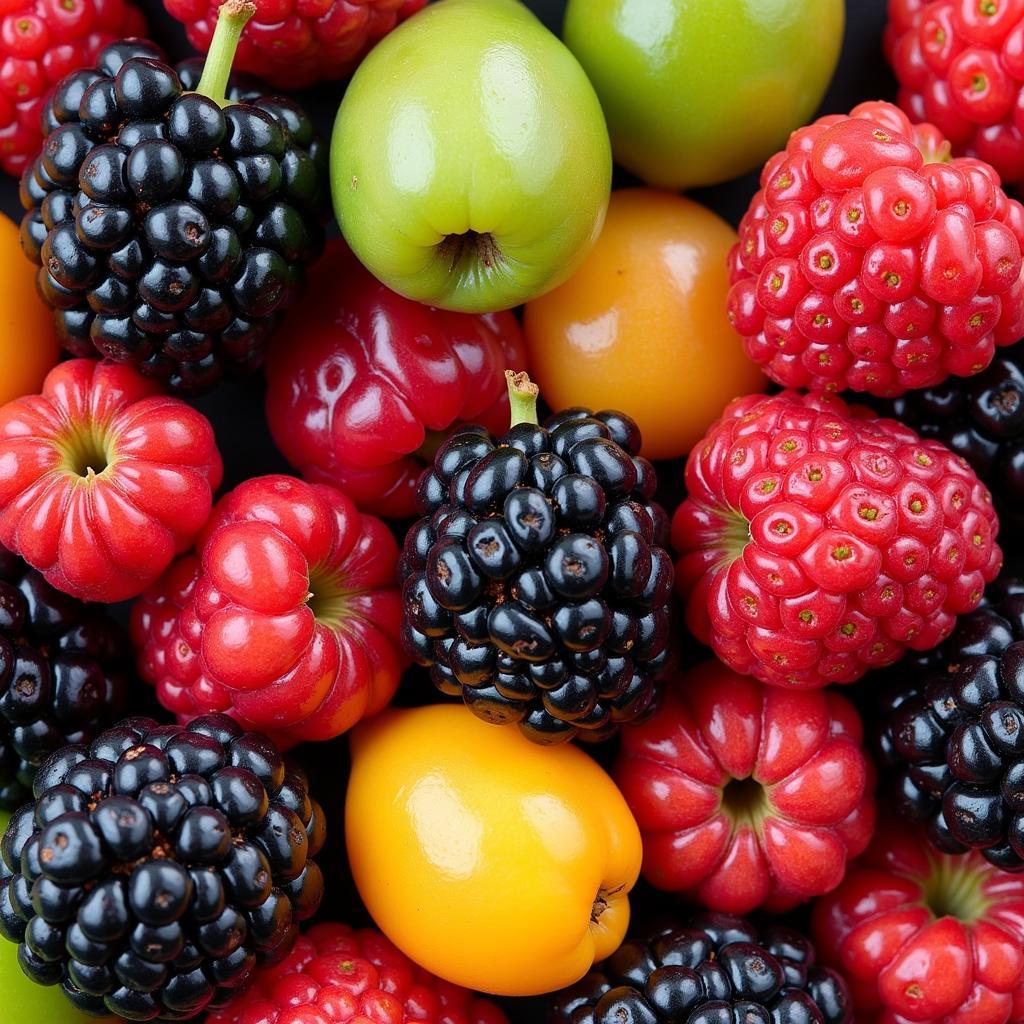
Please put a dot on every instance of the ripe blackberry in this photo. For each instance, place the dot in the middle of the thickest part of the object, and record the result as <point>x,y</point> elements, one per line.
<point>536,583</point>
<point>717,970</point>
<point>982,419</point>
<point>60,679</point>
<point>170,232</point>
<point>158,866</point>
<point>953,733</point>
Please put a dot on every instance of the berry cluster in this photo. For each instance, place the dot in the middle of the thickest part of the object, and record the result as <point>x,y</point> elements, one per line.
<point>870,261</point>
<point>536,587</point>
<point>171,233</point>
<point>158,866</point>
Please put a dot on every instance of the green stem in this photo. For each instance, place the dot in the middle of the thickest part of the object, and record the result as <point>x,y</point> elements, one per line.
<point>522,397</point>
<point>230,21</point>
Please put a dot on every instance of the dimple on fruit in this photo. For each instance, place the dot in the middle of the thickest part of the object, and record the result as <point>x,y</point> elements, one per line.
<point>817,544</point>
<point>492,862</point>
<point>869,260</point>
<point>363,385</point>
<point>747,795</point>
<point>104,480</point>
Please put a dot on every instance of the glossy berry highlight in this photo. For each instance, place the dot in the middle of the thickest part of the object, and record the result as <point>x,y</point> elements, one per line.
<point>817,543</point>
<point>870,261</point>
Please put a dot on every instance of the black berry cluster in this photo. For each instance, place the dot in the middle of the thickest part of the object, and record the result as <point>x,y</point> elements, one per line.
<point>158,866</point>
<point>536,583</point>
<point>953,733</point>
<point>170,233</point>
<point>718,970</point>
<point>982,419</point>
<point>60,674</point>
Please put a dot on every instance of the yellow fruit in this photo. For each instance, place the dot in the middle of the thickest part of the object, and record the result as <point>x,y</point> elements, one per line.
<point>493,862</point>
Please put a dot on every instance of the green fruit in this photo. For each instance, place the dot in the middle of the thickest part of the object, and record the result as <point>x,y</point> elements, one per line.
<point>700,91</point>
<point>23,999</point>
<point>470,163</point>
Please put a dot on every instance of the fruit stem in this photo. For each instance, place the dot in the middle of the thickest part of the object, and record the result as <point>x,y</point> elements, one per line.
<point>522,397</point>
<point>231,20</point>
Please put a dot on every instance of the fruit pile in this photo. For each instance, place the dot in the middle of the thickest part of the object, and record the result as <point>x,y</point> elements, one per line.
<point>440,585</point>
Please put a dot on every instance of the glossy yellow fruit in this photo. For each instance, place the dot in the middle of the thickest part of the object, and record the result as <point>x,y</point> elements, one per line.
<point>493,862</point>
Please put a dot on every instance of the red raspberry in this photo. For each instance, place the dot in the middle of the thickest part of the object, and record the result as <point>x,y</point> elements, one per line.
<point>747,796</point>
<point>41,41</point>
<point>960,64</point>
<point>103,480</point>
<point>295,43</point>
<point>925,936</point>
<point>334,975</point>
<point>288,619</point>
<point>869,260</point>
<point>363,384</point>
<point>817,543</point>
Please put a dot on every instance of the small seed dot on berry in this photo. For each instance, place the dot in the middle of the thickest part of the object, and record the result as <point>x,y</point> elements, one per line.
<point>841,552</point>
<point>824,359</point>
<point>853,216</point>
<point>847,629</point>
<point>957,500</point>
<point>977,538</point>
<point>917,505</point>
<point>748,246</point>
<point>820,320</point>
<point>877,648</point>
<point>909,560</point>
<point>979,83</point>
<point>782,528</point>
<point>857,306</point>
<point>954,554</point>
<point>868,513</point>
<point>783,181</point>
<point>825,261</point>
<point>739,455</point>
<point>766,486</point>
<point>775,283</point>
<point>988,8</point>
<point>922,459</point>
<point>880,135</point>
<point>788,446</point>
<point>951,273</point>
<point>975,596</point>
<point>939,36</point>
<point>807,616</point>
<point>774,578</point>
<point>929,595</point>
<point>814,475</point>
<point>749,604</point>
<point>778,226</point>
<point>891,278</point>
<point>887,593</point>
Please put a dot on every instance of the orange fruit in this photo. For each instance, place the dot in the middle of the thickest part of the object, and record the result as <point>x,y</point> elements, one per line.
<point>642,326</point>
<point>28,341</point>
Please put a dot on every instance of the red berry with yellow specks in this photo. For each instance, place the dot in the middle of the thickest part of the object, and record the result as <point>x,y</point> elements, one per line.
<point>294,43</point>
<point>869,260</point>
<point>335,975</point>
<point>288,619</point>
<point>817,543</point>
<point>746,795</point>
<point>926,937</point>
<point>41,41</point>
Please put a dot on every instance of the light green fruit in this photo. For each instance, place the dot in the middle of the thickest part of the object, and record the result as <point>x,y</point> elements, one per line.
<point>22,1000</point>
<point>700,91</point>
<point>470,163</point>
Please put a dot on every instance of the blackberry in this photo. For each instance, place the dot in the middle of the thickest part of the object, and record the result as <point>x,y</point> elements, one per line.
<point>60,674</point>
<point>172,215</point>
<point>717,970</point>
<point>982,419</point>
<point>536,583</point>
<point>158,866</point>
<point>952,733</point>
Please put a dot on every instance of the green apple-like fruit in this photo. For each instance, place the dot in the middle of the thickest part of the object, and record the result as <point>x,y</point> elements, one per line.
<point>700,91</point>
<point>470,163</point>
<point>21,999</point>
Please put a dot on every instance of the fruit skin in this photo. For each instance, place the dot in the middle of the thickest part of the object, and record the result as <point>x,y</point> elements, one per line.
<point>104,480</point>
<point>961,66</point>
<point>536,586</point>
<point>629,330</point>
<point>982,419</point>
<point>817,543</point>
<point>28,342</point>
<point>360,380</point>
<point>192,245</point>
<point>296,46</point>
<point>477,182</point>
<point>674,85</point>
<point>287,619</point>
<point>949,733</point>
<point>159,866</point>
<point>924,936</point>
<point>40,44</point>
<point>61,674</point>
<point>711,968</point>
<point>870,261</point>
<point>481,855</point>
<point>335,974</point>
<point>687,774</point>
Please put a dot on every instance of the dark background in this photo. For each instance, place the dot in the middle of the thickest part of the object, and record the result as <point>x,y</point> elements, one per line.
<point>236,407</point>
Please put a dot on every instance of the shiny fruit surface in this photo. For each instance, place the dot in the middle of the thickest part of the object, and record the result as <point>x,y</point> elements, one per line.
<point>492,862</point>
<point>700,91</point>
<point>641,326</point>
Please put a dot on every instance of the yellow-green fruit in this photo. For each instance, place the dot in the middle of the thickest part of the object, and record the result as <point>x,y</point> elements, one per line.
<point>699,91</point>
<point>22,1000</point>
<point>470,162</point>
